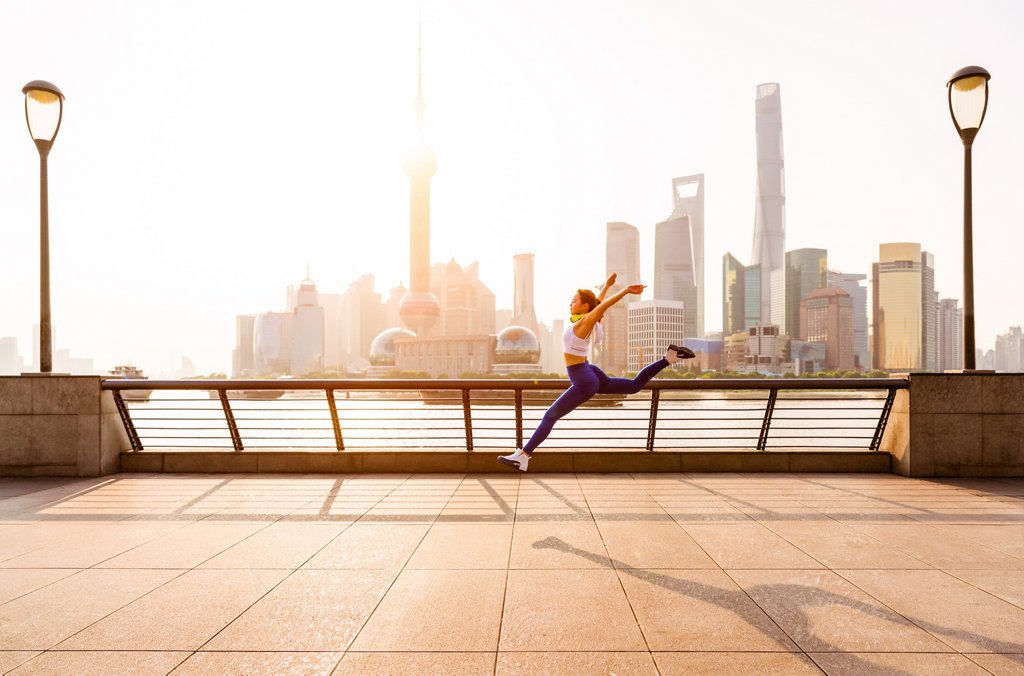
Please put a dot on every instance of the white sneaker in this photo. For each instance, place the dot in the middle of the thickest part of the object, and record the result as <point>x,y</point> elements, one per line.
<point>519,459</point>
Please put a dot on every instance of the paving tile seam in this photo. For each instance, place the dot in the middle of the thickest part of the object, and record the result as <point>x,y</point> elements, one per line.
<point>288,576</point>
<point>391,584</point>
<point>698,544</point>
<point>767,614</point>
<point>508,567</point>
<point>32,591</point>
<point>998,551</point>
<point>708,554</point>
<point>162,535</point>
<point>982,589</point>
<point>618,578</point>
<point>125,605</point>
<point>796,545</point>
<point>900,547</point>
<point>893,610</point>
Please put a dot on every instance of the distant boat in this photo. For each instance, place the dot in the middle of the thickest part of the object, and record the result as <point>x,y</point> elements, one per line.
<point>260,395</point>
<point>264,395</point>
<point>256,394</point>
<point>125,372</point>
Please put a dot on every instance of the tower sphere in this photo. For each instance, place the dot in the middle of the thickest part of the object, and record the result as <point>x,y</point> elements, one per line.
<point>419,162</point>
<point>516,345</point>
<point>419,310</point>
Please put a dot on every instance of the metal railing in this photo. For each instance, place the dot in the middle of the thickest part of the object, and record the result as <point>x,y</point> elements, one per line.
<point>343,415</point>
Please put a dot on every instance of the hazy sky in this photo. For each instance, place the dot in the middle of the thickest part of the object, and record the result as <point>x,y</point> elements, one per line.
<point>211,150</point>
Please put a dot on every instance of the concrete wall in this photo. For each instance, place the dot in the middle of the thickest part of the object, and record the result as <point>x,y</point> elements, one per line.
<point>958,425</point>
<point>58,426</point>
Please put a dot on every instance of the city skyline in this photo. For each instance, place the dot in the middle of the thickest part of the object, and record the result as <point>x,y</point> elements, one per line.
<point>171,211</point>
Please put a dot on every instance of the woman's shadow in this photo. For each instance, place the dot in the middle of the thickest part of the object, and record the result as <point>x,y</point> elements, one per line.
<point>735,601</point>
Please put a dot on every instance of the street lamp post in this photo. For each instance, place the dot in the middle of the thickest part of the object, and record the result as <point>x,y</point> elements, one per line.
<point>44,107</point>
<point>968,101</point>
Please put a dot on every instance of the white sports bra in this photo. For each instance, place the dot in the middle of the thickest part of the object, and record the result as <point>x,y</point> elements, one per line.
<point>580,347</point>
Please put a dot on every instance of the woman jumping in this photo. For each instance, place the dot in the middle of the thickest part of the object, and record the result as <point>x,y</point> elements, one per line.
<point>587,310</point>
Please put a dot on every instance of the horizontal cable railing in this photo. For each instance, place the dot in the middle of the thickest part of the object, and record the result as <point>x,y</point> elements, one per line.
<point>339,415</point>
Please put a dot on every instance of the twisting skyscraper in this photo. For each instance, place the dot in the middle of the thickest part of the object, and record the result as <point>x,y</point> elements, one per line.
<point>419,308</point>
<point>770,209</point>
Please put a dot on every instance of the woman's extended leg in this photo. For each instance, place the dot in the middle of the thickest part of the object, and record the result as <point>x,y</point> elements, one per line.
<point>584,385</point>
<point>627,385</point>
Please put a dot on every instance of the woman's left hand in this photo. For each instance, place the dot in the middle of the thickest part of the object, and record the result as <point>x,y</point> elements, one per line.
<point>636,288</point>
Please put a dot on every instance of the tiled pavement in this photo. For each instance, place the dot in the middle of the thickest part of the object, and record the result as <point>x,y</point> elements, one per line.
<point>503,574</point>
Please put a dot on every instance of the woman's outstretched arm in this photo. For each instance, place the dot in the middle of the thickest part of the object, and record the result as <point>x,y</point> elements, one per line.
<point>607,285</point>
<point>583,327</point>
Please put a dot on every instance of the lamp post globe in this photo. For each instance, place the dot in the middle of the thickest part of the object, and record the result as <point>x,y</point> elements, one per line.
<point>967,92</point>
<point>44,109</point>
<point>968,100</point>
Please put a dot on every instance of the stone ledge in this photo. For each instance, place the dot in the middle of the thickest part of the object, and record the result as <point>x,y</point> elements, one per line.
<point>484,462</point>
<point>38,470</point>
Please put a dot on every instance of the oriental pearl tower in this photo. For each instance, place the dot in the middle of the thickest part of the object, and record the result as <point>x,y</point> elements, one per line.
<point>419,308</point>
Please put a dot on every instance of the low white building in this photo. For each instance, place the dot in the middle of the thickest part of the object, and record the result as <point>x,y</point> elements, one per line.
<point>653,325</point>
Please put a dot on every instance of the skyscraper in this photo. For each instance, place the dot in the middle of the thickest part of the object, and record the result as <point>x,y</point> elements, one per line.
<point>826,316</point>
<point>362,318</point>
<point>1009,351</point>
<point>929,314</point>
<point>679,252</point>
<point>467,305</point>
<point>850,283</point>
<point>242,357</point>
<point>334,352</point>
<point>733,287</point>
<point>752,297</point>
<point>806,270</point>
<point>272,343</point>
<point>523,313</point>
<point>10,360</point>
<point>770,209</point>
<point>419,308</point>
<point>904,297</point>
<point>622,253</point>
<point>307,353</point>
<point>951,335</point>
<point>622,256</point>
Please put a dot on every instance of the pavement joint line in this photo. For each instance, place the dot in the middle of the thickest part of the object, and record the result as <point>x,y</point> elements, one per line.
<point>398,574</point>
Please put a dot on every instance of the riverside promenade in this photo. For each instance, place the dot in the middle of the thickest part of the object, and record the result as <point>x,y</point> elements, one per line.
<point>511,574</point>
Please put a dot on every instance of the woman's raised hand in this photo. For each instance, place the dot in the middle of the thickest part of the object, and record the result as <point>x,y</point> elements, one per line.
<point>636,288</point>
<point>611,280</point>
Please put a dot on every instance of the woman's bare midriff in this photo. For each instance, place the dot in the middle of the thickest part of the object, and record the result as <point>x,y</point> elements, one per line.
<point>573,359</point>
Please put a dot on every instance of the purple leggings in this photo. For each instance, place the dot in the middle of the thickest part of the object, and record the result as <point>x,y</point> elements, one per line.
<point>588,380</point>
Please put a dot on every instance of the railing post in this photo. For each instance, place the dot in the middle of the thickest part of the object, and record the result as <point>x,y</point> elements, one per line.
<point>883,419</point>
<point>236,438</point>
<point>126,419</point>
<point>467,419</point>
<point>652,423</point>
<point>338,441</point>
<point>519,418</point>
<point>762,441</point>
